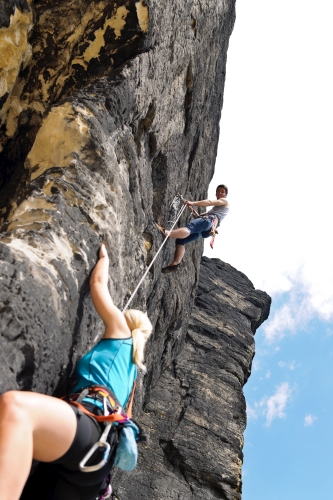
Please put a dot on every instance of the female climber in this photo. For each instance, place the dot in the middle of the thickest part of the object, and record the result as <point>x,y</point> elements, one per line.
<point>200,227</point>
<point>58,434</point>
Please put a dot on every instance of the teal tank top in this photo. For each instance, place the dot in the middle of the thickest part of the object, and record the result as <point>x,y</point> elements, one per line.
<point>109,363</point>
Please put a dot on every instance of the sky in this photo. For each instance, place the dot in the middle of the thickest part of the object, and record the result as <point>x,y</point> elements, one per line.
<point>275,155</point>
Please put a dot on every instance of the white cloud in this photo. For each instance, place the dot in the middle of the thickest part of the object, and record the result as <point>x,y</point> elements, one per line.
<point>275,405</point>
<point>309,420</point>
<point>271,407</point>
<point>295,313</point>
<point>291,365</point>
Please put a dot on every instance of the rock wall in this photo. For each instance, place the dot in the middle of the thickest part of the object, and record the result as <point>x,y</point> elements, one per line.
<point>196,412</point>
<point>107,110</point>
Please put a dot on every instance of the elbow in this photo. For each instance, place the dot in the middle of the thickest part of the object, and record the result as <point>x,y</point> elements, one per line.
<point>95,281</point>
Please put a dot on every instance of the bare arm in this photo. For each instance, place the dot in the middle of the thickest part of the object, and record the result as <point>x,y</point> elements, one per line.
<point>207,203</point>
<point>114,320</point>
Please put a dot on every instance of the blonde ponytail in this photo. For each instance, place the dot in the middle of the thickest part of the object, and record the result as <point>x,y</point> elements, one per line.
<point>140,326</point>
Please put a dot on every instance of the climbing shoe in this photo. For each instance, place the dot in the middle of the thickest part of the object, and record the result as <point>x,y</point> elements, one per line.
<point>170,269</point>
<point>107,490</point>
<point>107,493</point>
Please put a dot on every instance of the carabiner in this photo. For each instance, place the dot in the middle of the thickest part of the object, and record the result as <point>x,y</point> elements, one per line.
<point>100,444</point>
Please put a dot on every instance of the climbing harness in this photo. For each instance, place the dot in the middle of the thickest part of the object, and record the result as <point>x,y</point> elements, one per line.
<point>213,230</point>
<point>174,206</point>
<point>116,442</point>
<point>112,413</point>
<point>112,409</point>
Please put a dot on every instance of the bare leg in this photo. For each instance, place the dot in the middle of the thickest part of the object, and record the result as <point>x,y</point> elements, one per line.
<point>181,232</point>
<point>179,254</point>
<point>31,426</point>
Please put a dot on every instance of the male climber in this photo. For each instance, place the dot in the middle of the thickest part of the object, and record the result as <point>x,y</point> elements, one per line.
<point>200,227</point>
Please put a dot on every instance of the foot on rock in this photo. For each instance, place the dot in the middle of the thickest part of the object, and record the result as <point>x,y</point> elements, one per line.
<point>170,269</point>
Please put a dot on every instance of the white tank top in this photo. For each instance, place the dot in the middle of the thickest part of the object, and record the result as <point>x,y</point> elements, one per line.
<point>220,211</point>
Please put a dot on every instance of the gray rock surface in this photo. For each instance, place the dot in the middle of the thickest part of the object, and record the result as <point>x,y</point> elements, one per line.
<point>113,108</point>
<point>196,412</point>
<point>107,110</point>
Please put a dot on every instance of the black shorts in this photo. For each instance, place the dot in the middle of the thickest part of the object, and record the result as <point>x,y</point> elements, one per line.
<point>62,479</point>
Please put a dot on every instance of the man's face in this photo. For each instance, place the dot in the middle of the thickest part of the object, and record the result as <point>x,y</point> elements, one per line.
<point>221,193</point>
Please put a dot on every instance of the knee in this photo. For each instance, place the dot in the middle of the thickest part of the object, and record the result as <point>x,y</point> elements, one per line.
<point>11,405</point>
<point>179,242</point>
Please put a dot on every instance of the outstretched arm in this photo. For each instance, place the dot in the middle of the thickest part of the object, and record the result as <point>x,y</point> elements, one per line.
<point>114,320</point>
<point>206,203</point>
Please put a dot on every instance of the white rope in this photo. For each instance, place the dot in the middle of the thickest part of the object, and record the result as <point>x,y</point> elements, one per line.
<point>152,262</point>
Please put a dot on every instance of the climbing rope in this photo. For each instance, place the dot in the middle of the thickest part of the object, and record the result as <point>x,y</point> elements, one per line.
<point>175,201</point>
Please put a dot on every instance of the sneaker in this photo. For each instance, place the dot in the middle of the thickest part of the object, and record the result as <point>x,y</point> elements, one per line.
<point>107,493</point>
<point>170,269</point>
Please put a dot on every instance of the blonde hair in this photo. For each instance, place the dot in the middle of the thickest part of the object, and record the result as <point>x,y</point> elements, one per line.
<point>141,327</point>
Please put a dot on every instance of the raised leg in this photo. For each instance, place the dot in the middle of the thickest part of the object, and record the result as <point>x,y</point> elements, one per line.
<point>31,426</point>
<point>181,232</point>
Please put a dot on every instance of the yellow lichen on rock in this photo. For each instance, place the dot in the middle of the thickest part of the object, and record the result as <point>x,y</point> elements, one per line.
<point>57,248</point>
<point>31,204</point>
<point>94,12</point>
<point>15,109</point>
<point>143,15</point>
<point>63,71</point>
<point>68,193</point>
<point>29,221</point>
<point>45,85</point>
<point>31,213</point>
<point>63,135</point>
<point>116,22</point>
<point>15,52</point>
<point>147,241</point>
<point>47,188</point>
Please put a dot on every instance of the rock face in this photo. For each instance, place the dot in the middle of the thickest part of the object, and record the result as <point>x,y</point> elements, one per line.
<point>107,110</point>
<point>196,412</point>
<point>112,108</point>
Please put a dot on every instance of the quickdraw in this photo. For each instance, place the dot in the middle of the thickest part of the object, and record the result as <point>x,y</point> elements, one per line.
<point>100,445</point>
